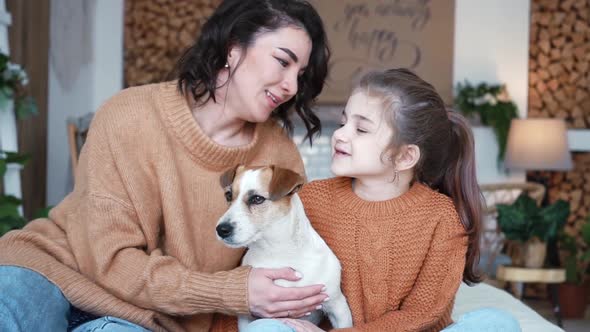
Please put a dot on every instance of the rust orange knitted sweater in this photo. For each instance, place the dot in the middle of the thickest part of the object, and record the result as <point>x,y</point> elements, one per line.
<point>136,238</point>
<point>402,259</point>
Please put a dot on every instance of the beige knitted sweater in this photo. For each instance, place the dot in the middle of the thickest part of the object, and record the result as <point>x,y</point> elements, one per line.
<point>136,237</point>
<point>402,259</point>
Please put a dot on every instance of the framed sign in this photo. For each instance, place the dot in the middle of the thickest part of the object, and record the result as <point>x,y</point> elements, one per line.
<point>369,35</point>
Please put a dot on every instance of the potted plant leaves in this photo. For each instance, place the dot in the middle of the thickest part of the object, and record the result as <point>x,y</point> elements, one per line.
<point>528,227</point>
<point>575,257</point>
<point>489,105</point>
<point>14,97</point>
<point>10,217</point>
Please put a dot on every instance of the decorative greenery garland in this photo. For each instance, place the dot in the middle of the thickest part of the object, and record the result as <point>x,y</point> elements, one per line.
<point>491,105</point>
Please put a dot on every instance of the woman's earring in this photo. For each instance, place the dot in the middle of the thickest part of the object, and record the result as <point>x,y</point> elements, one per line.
<point>226,65</point>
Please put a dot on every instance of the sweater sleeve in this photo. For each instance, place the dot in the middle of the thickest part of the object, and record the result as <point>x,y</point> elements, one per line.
<point>122,252</point>
<point>116,259</point>
<point>435,288</point>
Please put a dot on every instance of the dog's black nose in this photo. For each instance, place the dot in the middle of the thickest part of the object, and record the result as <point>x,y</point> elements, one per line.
<point>224,229</point>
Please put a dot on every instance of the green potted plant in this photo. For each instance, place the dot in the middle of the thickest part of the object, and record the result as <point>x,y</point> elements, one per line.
<point>575,257</point>
<point>528,227</point>
<point>489,105</point>
<point>10,217</point>
<point>14,97</point>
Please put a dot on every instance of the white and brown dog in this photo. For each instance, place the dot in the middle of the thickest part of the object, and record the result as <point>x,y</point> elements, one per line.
<point>267,216</point>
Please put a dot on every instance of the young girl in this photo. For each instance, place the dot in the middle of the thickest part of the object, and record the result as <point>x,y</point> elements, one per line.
<point>403,214</point>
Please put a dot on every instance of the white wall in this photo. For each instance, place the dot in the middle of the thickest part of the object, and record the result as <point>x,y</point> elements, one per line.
<point>491,44</point>
<point>85,68</point>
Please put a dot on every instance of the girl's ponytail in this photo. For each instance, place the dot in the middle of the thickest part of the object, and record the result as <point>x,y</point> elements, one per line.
<point>460,183</point>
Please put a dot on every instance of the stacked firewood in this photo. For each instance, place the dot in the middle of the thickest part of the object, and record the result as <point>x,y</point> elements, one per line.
<point>156,34</point>
<point>559,75</point>
<point>559,87</point>
<point>572,186</point>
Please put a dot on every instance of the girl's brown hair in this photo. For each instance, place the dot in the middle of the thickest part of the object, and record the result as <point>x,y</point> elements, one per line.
<point>447,156</point>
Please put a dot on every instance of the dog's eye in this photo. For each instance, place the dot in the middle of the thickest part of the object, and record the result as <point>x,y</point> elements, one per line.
<point>256,200</point>
<point>228,196</point>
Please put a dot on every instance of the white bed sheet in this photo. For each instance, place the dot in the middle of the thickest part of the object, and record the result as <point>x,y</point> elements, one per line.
<point>483,295</point>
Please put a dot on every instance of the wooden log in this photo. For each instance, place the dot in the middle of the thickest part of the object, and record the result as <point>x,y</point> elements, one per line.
<point>543,60</point>
<point>558,18</point>
<point>553,85</point>
<point>555,68</point>
<point>558,42</point>
<point>581,26</point>
<point>582,66</point>
<point>560,95</point>
<point>543,19</point>
<point>544,74</point>
<point>541,87</point>
<point>578,38</point>
<point>581,95</point>
<point>544,34</point>
<point>566,5</point>
<point>544,45</point>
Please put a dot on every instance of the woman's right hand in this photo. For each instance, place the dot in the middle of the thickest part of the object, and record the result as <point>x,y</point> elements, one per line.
<point>268,300</point>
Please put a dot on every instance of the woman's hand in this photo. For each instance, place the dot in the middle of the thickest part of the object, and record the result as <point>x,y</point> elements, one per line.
<point>301,325</point>
<point>268,300</point>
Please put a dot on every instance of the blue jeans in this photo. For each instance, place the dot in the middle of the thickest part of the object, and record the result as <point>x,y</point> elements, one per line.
<point>30,302</point>
<point>483,320</point>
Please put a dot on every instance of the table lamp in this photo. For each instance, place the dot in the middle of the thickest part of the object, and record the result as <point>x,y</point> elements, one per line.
<point>538,145</point>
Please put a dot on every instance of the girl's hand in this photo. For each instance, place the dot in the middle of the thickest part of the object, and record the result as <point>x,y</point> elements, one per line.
<point>301,325</point>
<point>268,300</point>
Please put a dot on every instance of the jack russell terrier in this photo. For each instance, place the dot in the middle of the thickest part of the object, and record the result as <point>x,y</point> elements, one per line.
<point>267,216</point>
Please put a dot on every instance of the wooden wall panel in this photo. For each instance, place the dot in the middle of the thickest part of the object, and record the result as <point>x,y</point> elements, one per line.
<point>29,46</point>
<point>156,34</point>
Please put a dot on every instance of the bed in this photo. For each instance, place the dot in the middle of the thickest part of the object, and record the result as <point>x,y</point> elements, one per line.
<point>483,295</point>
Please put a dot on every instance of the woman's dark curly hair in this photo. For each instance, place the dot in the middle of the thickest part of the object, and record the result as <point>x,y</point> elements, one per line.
<point>239,22</point>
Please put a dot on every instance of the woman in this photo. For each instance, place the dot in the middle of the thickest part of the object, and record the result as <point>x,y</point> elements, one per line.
<point>134,244</point>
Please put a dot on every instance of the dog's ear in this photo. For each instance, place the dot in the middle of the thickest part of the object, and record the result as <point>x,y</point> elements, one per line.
<point>284,182</point>
<point>227,178</point>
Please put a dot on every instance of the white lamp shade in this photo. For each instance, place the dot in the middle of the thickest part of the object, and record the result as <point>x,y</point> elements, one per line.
<point>538,144</point>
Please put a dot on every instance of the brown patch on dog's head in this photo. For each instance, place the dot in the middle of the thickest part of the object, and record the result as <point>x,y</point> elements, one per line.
<point>284,182</point>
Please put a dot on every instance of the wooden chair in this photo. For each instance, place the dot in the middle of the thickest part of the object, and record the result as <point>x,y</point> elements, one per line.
<point>506,193</point>
<point>77,129</point>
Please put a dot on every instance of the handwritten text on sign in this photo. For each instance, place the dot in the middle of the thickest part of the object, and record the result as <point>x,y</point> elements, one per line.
<point>379,34</point>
